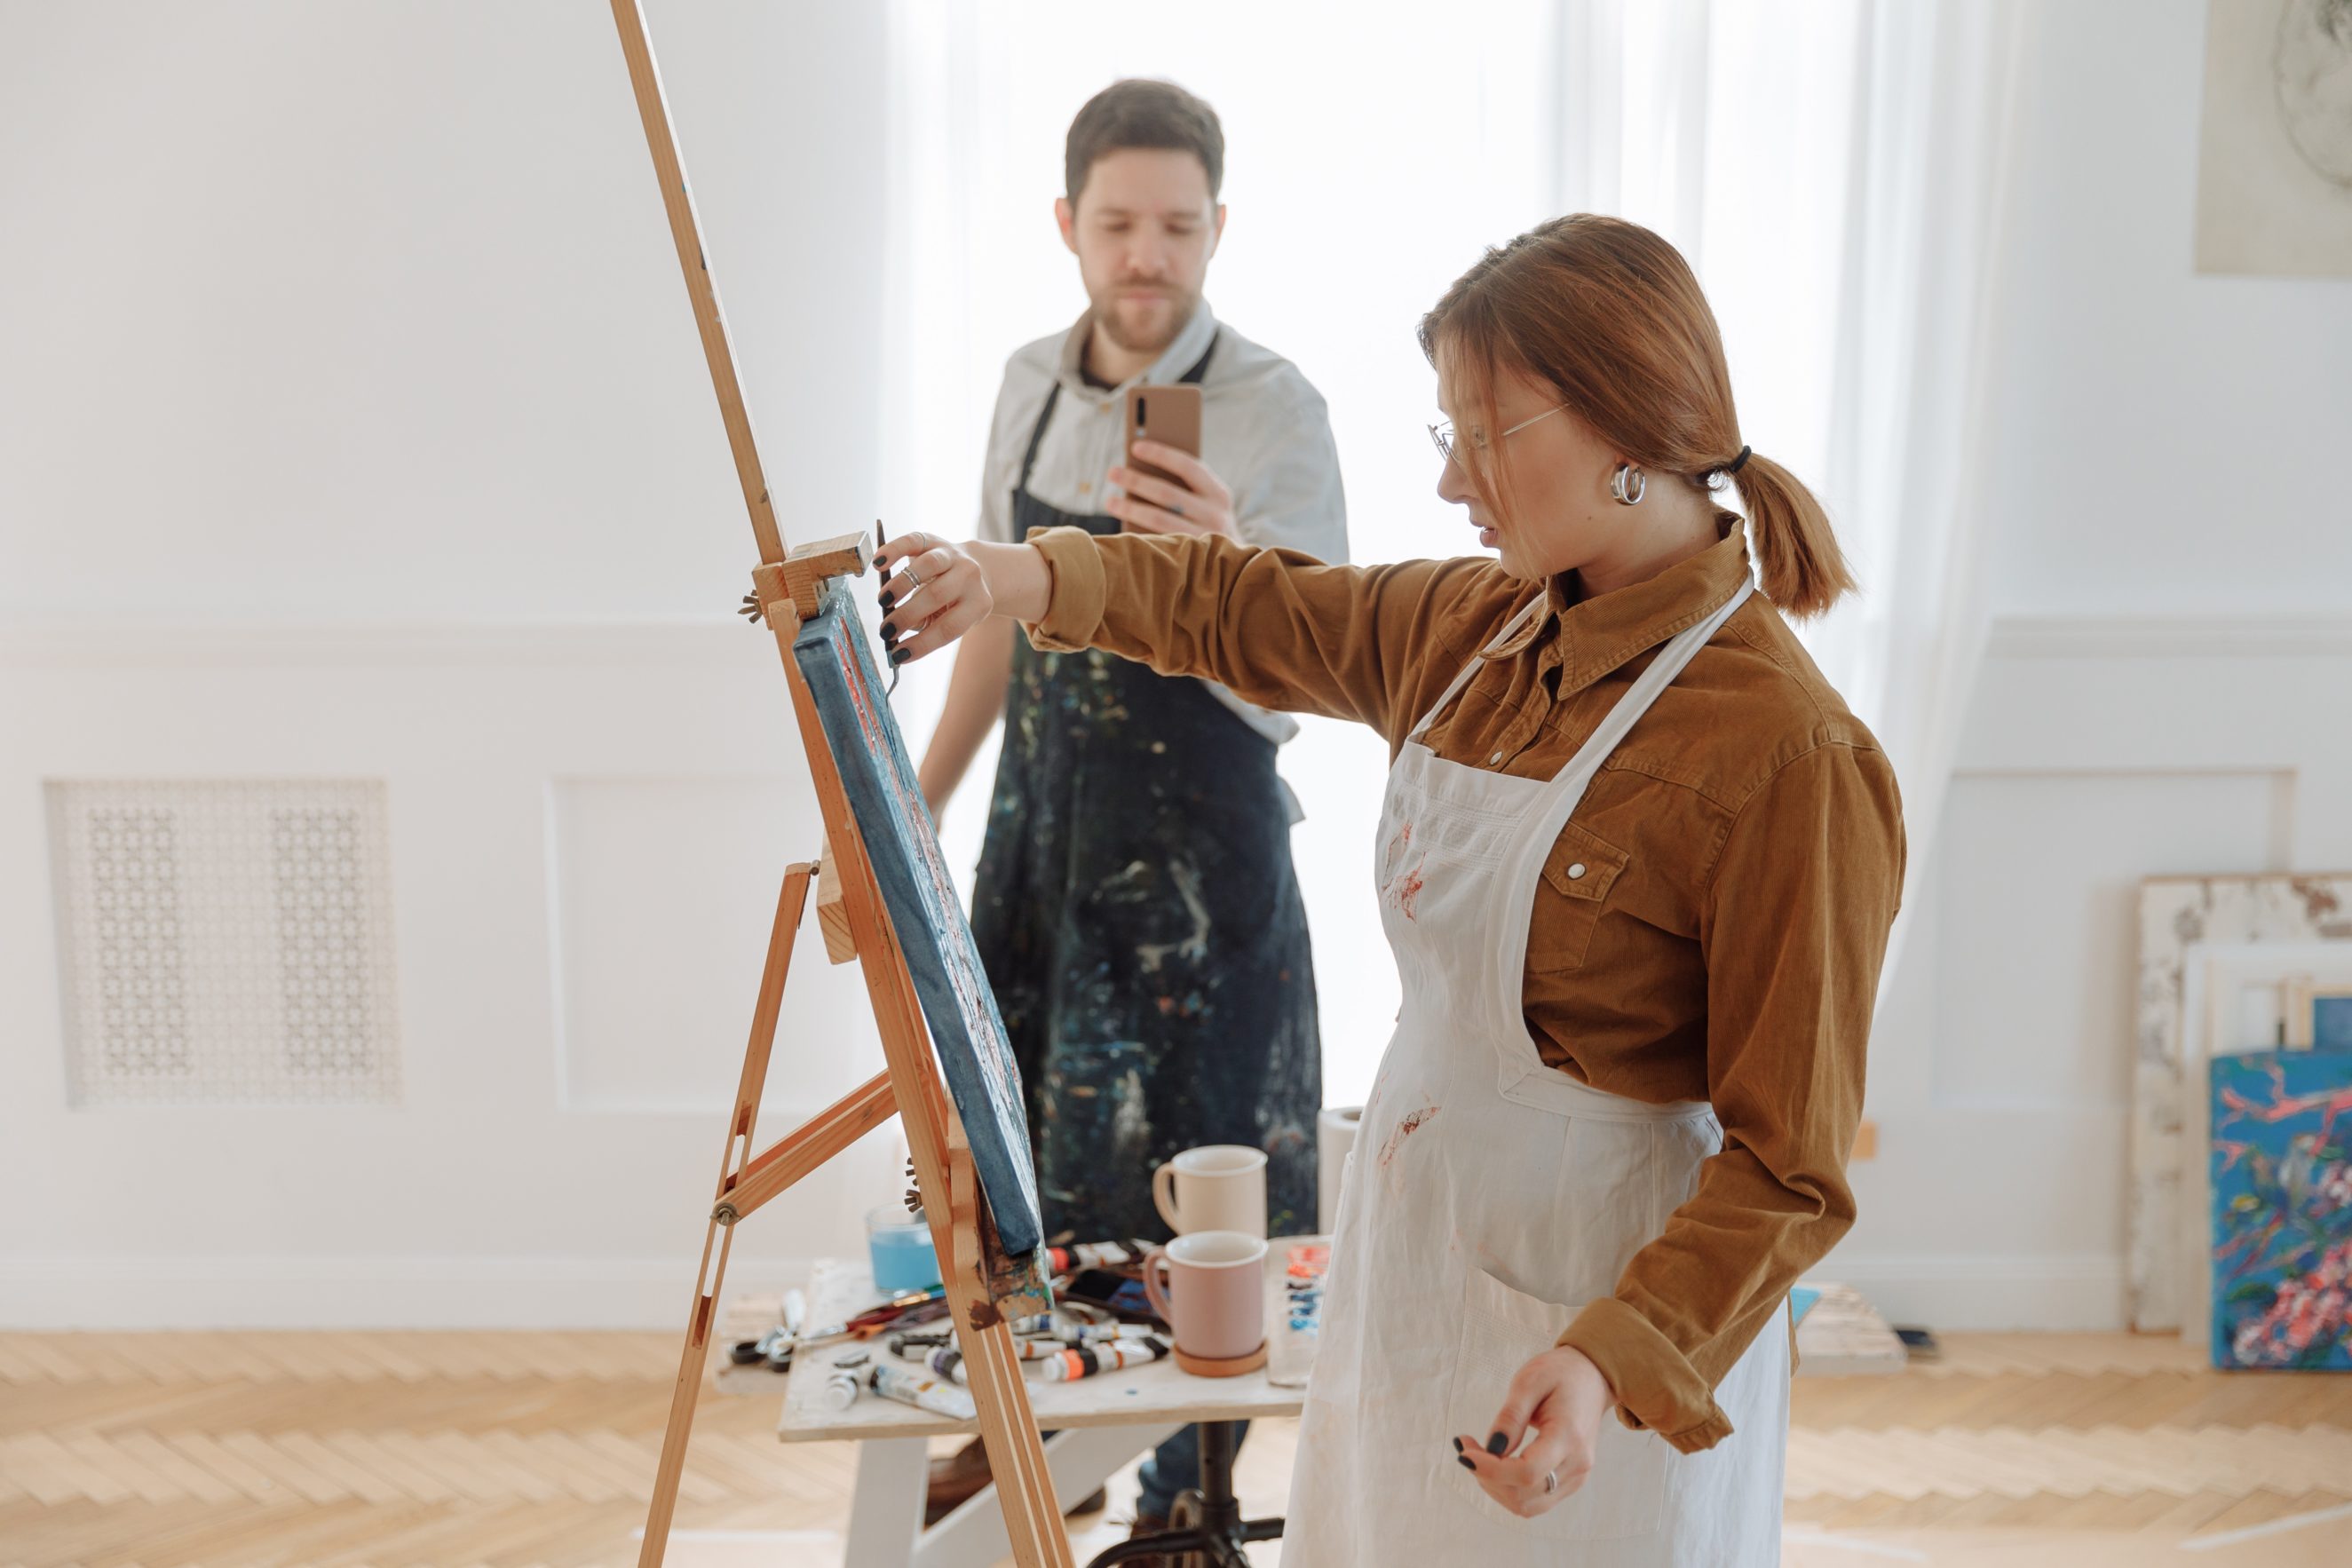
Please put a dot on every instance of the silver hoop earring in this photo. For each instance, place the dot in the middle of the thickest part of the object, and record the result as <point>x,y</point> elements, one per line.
<point>1627,484</point>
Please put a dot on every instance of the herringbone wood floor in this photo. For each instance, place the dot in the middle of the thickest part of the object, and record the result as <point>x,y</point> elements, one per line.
<point>511,1450</point>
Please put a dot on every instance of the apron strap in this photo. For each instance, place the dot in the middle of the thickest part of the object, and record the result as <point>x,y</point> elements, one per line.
<point>1200,371</point>
<point>1510,629</point>
<point>1192,377</point>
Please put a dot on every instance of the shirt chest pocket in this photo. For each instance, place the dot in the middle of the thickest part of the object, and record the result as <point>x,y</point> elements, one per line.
<point>1570,899</point>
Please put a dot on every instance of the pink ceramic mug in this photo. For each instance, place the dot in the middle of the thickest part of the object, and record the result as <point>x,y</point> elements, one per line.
<point>1211,1288</point>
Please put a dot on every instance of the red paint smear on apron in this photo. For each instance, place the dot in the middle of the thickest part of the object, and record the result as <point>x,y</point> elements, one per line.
<point>1405,1130</point>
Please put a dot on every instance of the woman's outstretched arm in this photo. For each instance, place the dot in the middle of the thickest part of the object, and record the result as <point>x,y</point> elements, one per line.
<point>1280,629</point>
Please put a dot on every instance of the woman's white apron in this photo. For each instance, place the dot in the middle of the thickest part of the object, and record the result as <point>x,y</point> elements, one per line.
<point>1488,1199</point>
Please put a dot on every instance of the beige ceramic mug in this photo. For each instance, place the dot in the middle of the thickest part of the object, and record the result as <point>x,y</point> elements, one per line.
<point>1218,1187</point>
<point>1211,1288</point>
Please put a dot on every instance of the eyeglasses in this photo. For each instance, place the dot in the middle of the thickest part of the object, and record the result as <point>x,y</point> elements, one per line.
<point>1443,432</point>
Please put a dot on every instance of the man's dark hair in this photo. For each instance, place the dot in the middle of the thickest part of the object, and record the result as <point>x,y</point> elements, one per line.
<point>1140,113</point>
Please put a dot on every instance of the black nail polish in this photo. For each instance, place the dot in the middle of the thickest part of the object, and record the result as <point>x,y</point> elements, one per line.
<point>1457,1445</point>
<point>889,601</point>
<point>1464,1460</point>
<point>880,560</point>
<point>1494,1445</point>
<point>900,656</point>
<point>889,632</point>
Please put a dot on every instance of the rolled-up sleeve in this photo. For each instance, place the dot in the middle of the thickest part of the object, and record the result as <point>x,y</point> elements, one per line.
<point>1793,930</point>
<point>1280,628</point>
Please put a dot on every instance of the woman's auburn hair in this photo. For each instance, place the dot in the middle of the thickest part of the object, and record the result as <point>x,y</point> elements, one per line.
<point>1612,316</point>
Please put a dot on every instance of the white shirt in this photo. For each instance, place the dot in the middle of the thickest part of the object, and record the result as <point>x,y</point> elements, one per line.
<point>1264,430</point>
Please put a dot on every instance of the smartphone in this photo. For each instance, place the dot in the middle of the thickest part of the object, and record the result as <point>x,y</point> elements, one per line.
<point>1115,1293</point>
<point>1168,414</point>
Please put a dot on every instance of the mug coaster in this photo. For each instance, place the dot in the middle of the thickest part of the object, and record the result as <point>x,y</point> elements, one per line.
<point>1229,1366</point>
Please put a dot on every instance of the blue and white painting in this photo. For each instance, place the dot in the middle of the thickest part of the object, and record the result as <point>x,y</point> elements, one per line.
<point>2282,1179</point>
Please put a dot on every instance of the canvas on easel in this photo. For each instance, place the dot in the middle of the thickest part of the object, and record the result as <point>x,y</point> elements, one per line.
<point>897,914</point>
<point>920,894</point>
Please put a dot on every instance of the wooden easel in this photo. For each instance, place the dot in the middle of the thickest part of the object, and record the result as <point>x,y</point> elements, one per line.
<point>979,1298</point>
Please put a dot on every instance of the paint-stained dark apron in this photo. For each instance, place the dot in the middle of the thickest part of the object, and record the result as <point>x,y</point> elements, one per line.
<point>1140,918</point>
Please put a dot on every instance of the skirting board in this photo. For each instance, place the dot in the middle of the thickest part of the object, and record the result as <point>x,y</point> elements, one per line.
<point>1990,1294</point>
<point>2048,1294</point>
<point>129,1293</point>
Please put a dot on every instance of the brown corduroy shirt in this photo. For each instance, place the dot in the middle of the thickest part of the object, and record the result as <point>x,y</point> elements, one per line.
<point>1743,852</point>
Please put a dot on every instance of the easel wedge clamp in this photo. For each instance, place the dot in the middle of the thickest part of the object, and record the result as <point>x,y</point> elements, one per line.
<point>832,914</point>
<point>881,876</point>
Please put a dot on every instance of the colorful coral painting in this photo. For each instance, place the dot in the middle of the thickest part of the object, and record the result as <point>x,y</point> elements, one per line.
<point>2282,1180</point>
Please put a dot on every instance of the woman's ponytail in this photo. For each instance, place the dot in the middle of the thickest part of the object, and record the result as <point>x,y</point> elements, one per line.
<point>1797,562</point>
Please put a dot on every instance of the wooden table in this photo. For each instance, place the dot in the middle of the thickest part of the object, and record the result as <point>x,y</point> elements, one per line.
<point>1098,1423</point>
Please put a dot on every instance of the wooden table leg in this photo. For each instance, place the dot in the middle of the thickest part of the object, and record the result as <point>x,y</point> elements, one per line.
<point>886,1508</point>
<point>1080,1460</point>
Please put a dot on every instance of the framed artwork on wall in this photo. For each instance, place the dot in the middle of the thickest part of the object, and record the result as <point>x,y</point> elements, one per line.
<point>2274,148</point>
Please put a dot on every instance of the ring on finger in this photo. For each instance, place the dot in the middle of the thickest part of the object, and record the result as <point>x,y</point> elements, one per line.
<point>1551,1480</point>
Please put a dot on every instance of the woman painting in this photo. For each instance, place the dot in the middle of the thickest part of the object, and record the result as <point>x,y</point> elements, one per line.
<point>1637,863</point>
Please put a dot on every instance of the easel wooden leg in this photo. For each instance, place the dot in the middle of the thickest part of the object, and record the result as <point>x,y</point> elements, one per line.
<point>718,1233</point>
<point>1008,1427</point>
<point>1016,1452</point>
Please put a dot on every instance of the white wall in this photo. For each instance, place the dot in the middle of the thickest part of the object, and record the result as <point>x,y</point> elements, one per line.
<point>352,423</point>
<point>2167,689</point>
<point>369,313</point>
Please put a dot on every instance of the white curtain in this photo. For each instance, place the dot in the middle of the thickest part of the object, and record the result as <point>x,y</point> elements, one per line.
<point>1827,165</point>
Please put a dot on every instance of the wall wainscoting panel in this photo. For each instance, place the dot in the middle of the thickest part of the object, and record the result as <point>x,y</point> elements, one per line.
<point>2098,750</point>
<point>225,941</point>
<point>663,894</point>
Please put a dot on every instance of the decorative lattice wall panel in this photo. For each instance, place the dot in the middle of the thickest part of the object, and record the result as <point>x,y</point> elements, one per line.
<point>225,941</point>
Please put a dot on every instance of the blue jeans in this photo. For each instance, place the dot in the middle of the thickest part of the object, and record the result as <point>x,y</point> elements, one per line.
<point>1174,1465</point>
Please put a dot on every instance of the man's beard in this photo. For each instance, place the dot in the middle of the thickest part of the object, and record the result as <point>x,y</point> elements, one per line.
<point>1180,308</point>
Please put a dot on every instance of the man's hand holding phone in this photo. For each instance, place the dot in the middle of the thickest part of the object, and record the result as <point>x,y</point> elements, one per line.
<point>1201,504</point>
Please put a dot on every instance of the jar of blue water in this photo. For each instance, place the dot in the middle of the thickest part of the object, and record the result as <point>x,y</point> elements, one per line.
<point>899,1245</point>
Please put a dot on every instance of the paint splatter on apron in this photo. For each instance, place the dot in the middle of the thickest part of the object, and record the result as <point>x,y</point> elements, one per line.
<point>1140,918</point>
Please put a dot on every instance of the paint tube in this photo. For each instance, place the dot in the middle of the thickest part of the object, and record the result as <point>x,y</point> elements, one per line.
<point>1046,1344</point>
<point>840,1390</point>
<point>928,1348</point>
<point>1058,1362</point>
<point>1069,1331</point>
<point>1110,1355</point>
<point>1093,1255</point>
<point>909,1387</point>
